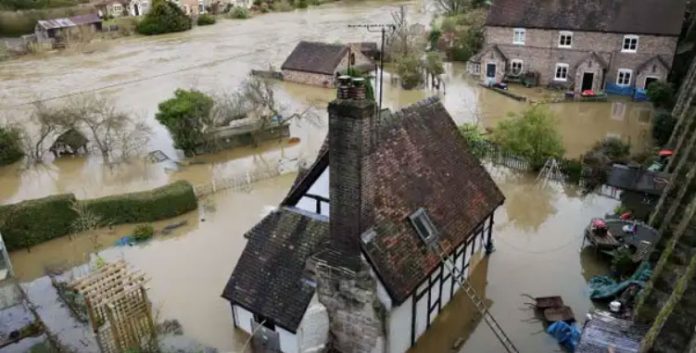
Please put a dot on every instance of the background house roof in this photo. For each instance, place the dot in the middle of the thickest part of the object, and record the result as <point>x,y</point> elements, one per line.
<point>315,57</point>
<point>661,17</point>
<point>270,277</point>
<point>70,22</point>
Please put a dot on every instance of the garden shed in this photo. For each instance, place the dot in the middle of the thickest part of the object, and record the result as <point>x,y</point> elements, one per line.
<point>70,142</point>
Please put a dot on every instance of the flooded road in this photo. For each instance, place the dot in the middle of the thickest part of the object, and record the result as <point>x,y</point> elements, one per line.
<point>538,234</point>
<point>139,72</point>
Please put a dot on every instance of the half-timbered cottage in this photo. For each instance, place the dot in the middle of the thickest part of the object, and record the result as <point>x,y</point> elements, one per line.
<point>357,254</point>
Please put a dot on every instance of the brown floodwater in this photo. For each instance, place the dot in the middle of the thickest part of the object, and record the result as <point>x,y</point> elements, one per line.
<point>538,235</point>
<point>139,72</point>
<point>538,231</point>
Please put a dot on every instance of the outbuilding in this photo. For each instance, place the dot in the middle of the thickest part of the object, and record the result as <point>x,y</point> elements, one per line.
<point>318,64</point>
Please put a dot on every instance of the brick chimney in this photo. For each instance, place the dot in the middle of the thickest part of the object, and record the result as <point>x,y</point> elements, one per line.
<point>351,122</point>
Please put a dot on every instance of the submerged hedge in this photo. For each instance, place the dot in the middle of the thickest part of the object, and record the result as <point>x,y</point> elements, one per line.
<point>32,222</point>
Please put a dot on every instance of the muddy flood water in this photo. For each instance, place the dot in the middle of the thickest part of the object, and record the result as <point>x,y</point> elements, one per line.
<point>538,231</point>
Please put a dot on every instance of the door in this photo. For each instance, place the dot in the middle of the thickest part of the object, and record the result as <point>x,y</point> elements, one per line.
<point>587,80</point>
<point>490,70</point>
<point>648,81</point>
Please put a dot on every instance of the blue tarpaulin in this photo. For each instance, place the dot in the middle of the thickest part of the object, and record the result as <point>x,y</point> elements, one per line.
<point>567,336</point>
<point>605,287</point>
<point>615,89</point>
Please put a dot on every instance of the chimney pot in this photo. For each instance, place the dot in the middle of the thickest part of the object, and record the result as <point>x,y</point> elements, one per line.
<point>343,91</point>
<point>358,89</point>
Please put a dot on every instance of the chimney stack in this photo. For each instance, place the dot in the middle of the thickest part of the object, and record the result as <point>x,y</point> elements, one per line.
<point>351,119</point>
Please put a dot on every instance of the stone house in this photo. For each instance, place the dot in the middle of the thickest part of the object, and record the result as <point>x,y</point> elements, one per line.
<point>319,64</point>
<point>58,30</point>
<point>347,260</point>
<point>138,7</point>
<point>113,8</point>
<point>618,45</point>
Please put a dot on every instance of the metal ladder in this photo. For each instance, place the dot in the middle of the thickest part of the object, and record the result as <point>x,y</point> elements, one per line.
<point>478,303</point>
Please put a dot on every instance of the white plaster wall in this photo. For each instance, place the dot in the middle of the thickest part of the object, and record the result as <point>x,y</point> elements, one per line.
<point>313,333</point>
<point>320,188</point>
<point>399,335</point>
<point>288,341</point>
<point>242,318</point>
<point>421,316</point>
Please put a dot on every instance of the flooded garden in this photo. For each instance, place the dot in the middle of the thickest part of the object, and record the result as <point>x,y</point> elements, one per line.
<point>538,231</point>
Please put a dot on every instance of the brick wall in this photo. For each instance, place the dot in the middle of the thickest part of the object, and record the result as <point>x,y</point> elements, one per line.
<point>541,52</point>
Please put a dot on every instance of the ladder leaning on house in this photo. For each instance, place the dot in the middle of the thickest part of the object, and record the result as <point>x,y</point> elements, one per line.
<point>478,303</point>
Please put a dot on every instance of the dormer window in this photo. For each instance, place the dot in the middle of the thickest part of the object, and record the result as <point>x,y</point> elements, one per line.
<point>565,39</point>
<point>423,226</point>
<point>518,36</point>
<point>630,44</point>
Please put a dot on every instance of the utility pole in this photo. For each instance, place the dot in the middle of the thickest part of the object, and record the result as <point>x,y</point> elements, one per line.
<point>374,28</point>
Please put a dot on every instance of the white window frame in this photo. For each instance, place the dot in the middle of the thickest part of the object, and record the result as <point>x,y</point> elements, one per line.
<point>518,33</point>
<point>516,61</point>
<point>562,34</point>
<point>629,38</point>
<point>567,72</point>
<point>618,77</point>
<point>421,216</point>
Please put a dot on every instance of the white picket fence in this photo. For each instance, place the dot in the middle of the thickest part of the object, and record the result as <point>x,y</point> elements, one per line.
<point>242,181</point>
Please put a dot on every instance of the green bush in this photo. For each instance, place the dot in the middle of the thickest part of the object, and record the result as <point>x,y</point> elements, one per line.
<point>572,169</point>
<point>241,13</point>
<point>301,4</point>
<point>147,206</point>
<point>662,127</point>
<point>474,138</point>
<point>533,134</point>
<point>16,23</point>
<point>32,222</point>
<point>205,20</point>
<point>143,232</point>
<point>661,94</point>
<point>15,5</point>
<point>10,146</point>
<point>164,17</point>
<point>185,117</point>
<point>410,71</point>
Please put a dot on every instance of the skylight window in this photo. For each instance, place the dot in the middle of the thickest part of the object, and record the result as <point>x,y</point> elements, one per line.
<point>424,226</point>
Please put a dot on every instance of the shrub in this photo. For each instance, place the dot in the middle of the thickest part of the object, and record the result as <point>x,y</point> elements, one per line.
<point>22,22</point>
<point>572,169</point>
<point>662,127</point>
<point>185,117</point>
<point>143,232</point>
<point>474,139</point>
<point>410,71</point>
<point>10,146</point>
<point>147,206</point>
<point>35,221</point>
<point>282,6</point>
<point>661,94</point>
<point>205,19</point>
<point>240,13</point>
<point>433,63</point>
<point>532,135</point>
<point>301,4</point>
<point>612,147</point>
<point>164,17</point>
<point>32,222</point>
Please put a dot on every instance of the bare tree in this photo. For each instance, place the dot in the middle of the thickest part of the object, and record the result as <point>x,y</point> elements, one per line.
<point>407,39</point>
<point>116,134</point>
<point>47,122</point>
<point>453,7</point>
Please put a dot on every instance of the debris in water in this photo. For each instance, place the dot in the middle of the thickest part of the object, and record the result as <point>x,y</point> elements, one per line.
<point>170,327</point>
<point>170,228</point>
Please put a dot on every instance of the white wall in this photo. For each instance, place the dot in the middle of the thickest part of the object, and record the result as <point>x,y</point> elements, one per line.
<point>319,188</point>
<point>242,318</point>
<point>313,333</point>
<point>399,330</point>
<point>288,341</point>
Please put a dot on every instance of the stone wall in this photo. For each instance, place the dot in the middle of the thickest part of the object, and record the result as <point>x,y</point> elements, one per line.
<point>540,52</point>
<point>308,78</point>
<point>357,317</point>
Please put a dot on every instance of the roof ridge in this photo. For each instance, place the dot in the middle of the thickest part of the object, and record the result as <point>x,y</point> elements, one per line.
<point>410,110</point>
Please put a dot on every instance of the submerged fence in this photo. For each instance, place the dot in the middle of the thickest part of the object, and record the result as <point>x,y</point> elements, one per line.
<point>242,181</point>
<point>491,152</point>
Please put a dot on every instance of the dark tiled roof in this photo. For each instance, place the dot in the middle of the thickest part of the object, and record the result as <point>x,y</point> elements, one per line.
<point>270,277</point>
<point>637,179</point>
<point>423,161</point>
<point>477,57</point>
<point>315,57</point>
<point>661,17</point>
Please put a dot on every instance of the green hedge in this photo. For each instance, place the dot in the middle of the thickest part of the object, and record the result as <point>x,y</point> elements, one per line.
<point>148,206</point>
<point>32,222</point>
